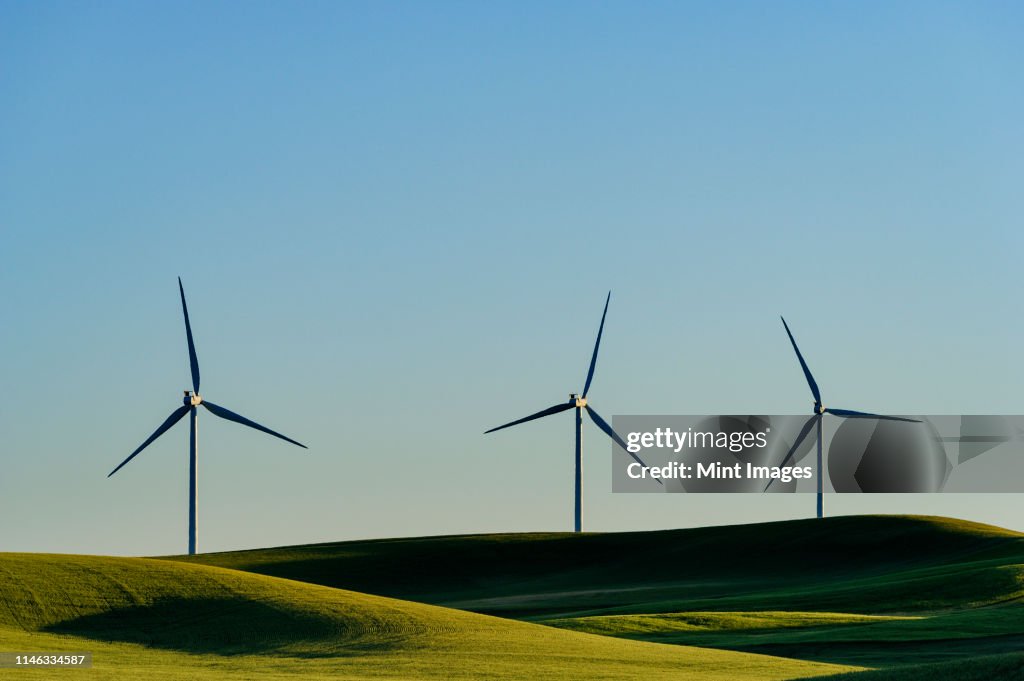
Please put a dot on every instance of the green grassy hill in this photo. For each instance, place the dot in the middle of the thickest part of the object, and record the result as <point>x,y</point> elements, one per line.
<point>926,598</point>
<point>992,668</point>
<point>858,564</point>
<point>158,619</point>
<point>935,589</point>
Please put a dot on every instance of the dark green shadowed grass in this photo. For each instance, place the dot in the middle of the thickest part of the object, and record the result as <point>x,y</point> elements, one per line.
<point>872,591</point>
<point>152,619</point>
<point>989,668</point>
<point>886,592</point>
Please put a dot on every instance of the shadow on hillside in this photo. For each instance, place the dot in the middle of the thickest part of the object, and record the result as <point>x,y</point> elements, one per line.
<point>589,572</point>
<point>870,653</point>
<point>227,626</point>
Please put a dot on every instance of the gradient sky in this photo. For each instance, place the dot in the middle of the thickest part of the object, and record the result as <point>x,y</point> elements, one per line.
<point>396,224</point>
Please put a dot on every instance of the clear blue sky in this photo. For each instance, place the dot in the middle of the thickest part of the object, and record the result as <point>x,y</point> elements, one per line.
<point>396,224</point>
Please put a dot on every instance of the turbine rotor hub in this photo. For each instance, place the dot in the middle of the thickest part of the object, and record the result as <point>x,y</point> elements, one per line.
<point>581,402</point>
<point>192,399</point>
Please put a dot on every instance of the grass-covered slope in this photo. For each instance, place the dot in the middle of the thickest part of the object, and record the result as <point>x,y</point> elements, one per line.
<point>164,620</point>
<point>872,591</point>
<point>1009,667</point>
<point>890,592</point>
<point>837,637</point>
<point>859,564</point>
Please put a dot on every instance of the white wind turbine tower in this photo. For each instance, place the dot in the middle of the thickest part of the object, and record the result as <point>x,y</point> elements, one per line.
<point>580,403</point>
<point>191,401</point>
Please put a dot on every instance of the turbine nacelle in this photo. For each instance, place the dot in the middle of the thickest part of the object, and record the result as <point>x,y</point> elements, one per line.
<point>192,399</point>
<point>819,408</point>
<point>577,401</point>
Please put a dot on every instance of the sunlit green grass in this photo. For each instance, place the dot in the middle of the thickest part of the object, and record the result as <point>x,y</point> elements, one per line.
<point>838,637</point>
<point>703,622</point>
<point>164,620</point>
<point>888,592</point>
<point>872,591</point>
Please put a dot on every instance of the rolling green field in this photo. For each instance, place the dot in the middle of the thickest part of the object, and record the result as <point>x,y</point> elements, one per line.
<point>864,598</point>
<point>876,591</point>
<point>157,619</point>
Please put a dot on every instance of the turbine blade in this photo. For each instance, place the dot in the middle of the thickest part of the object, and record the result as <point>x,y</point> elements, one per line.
<point>597,344</point>
<point>803,365</point>
<point>540,414</point>
<point>848,414</point>
<point>796,445</point>
<point>232,416</point>
<point>603,425</point>
<point>192,359</point>
<point>171,420</point>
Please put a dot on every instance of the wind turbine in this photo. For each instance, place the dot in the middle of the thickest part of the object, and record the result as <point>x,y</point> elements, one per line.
<point>819,412</point>
<point>579,402</point>
<point>191,401</point>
